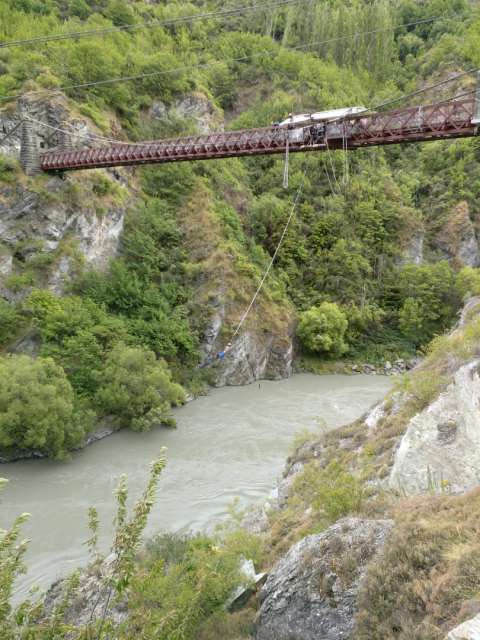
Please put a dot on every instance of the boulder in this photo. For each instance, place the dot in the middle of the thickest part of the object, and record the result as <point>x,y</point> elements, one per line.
<point>311,593</point>
<point>469,630</point>
<point>93,598</point>
<point>441,446</point>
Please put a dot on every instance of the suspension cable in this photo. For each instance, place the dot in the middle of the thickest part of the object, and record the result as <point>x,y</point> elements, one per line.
<point>9,133</point>
<point>141,76</point>
<point>267,271</point>
<point>151,24</point>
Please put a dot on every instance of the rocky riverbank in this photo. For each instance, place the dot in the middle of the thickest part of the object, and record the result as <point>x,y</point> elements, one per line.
<point>395,569</point>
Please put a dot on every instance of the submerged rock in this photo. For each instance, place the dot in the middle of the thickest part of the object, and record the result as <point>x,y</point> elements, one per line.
<point>311,592</point>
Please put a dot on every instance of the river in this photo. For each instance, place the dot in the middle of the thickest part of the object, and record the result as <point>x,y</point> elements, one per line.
<point>233,442</point>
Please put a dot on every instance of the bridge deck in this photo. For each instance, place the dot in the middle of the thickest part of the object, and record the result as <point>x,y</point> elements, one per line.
<point>452,119</point>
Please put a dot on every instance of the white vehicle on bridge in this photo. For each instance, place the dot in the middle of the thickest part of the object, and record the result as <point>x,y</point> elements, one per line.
<point>303,119</point>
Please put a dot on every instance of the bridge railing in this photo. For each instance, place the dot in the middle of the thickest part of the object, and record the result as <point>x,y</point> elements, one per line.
<point>441,120</point>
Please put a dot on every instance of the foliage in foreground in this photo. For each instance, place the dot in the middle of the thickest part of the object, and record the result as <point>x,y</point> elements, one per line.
<point>31,620</point>
<point>181,589</point>
<point>176,587</point>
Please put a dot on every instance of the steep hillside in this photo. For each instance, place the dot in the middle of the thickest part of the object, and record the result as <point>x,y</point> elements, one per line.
<point>410,466</point>
<point>172,254</point>
<point>118,288</point>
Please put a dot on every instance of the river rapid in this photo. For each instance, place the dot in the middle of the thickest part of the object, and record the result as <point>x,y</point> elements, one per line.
<point>231,443</point>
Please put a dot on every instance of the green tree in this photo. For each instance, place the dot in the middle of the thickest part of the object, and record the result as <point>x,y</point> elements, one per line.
<point>10,320</point>
<point>322,329</point>
<point>428,300</point>
<point>468,282</point>
<point>137,388</point>
<point>37,407</point>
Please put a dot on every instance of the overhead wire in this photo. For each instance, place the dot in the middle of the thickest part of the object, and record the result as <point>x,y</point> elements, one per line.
<point>109,81</point>
<point>151,24</point>
<point>412,94</point>
<point>272,260</point>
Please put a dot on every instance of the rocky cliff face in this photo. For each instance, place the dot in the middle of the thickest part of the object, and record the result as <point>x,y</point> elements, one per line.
<point>254,357</point>
<point>49,225</point>
<point>195,107</point>
<point>440,448</point>
<point>53,226</point>
<point>458,239</point>
<point>222,290</point>
<point>311,593</point>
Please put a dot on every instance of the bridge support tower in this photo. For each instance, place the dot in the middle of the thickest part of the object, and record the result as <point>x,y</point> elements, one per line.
<point>29,151</point>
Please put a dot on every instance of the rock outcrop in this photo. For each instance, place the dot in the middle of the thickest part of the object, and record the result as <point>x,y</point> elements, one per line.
<point>441,445</point>
<point>469,630</point>
<point>48,224</point>
<point>253,357</point>
<point>93,597</point>
<point>311,593</point>
<point>31,227</point>
<point>195,107</point>
<point>413,253</point>
<point>458,239</point>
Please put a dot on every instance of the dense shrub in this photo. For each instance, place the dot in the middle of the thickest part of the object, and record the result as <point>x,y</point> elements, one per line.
<point>37,407</point>
<point>468,282</point>
<point>10,321</point>
<point>332,492</point>
<point>322,329</point>
<point>429,300</point>
<point>137,388</point>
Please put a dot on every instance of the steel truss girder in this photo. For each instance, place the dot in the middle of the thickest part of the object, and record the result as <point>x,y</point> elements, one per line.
<point>413,124</point>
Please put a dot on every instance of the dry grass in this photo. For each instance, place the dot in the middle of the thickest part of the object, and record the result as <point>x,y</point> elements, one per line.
<point>428,579</point>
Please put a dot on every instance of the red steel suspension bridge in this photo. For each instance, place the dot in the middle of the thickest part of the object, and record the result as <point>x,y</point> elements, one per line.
<point>455,118</point>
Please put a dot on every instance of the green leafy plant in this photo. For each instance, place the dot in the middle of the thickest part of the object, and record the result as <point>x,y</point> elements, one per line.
<point>37,408</point>
<point>137,388</point>
<point>322,329</point>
